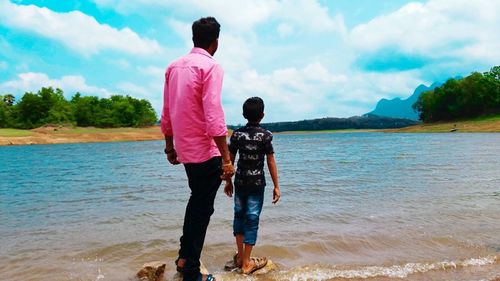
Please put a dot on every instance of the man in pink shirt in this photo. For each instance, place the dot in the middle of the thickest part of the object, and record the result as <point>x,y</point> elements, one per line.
<point>195,135</point>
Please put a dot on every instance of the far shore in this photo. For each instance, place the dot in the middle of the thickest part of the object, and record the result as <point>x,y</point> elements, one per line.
<point>489,124</point>
<point>57,135</point>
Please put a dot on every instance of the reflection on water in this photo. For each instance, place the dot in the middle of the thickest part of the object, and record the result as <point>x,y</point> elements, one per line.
<point>354,206</point>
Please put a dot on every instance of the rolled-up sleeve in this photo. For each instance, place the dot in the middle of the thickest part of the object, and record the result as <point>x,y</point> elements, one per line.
<point>165,124</point>
<point>233,145</point>
<point>212,102</point>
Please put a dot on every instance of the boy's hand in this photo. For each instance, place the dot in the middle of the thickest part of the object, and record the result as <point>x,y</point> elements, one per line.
<point>276,195</point>
<point>228,189</point>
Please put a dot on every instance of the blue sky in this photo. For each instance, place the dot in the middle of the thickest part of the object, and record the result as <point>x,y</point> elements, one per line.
<point>305,58</point>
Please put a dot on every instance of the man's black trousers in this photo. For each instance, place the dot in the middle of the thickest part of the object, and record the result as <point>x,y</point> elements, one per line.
<point>204,181</point>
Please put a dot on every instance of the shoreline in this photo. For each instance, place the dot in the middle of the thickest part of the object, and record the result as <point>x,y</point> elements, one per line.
<point>60,134</point>
<point>489,124</point>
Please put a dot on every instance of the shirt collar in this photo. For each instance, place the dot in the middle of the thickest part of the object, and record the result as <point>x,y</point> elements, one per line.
<point>253,124</point>
<point>200,51</point>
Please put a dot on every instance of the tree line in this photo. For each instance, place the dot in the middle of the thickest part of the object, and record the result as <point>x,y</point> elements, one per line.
<point>49,106</point>
<point>368,121</point>
<point>475,95</point>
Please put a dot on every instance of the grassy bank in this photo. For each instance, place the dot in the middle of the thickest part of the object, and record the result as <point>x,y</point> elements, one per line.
<point>52,135</point>
<point>14,133</point>
<point>489,124</point>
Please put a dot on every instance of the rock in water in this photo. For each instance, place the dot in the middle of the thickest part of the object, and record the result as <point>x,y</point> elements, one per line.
<point>270,266</point>
<point>152,271</point>
<point>203,270</point>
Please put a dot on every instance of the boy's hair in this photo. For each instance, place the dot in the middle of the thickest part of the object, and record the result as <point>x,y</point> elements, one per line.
<point>205,31</point>
<point>253,109</point>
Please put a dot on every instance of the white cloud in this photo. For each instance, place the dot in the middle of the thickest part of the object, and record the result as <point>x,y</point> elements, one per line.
<point>76,30</point>
<point>34,81</point>
<point>153,71</point>
<point>122,64</point>
<point>284,30</point>
<point>311,15</point>
<point>369,87</point>
<point>134,90</point>
<point>234,53</point>
<point>239,15</point>
<point>436,29</point>
<point>183,29</point>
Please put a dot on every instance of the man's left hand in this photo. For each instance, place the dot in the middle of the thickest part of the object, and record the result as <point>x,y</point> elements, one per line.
<point>227,171</point>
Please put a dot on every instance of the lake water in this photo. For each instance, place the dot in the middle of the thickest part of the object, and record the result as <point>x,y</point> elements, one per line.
<point>354,206</point>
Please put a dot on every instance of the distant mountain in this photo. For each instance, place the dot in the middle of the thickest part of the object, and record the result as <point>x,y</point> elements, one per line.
<point>399,108</point>
<point>356,122</point>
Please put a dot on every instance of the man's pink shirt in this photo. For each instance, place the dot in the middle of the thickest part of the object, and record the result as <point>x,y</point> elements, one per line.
<point>192,108</point>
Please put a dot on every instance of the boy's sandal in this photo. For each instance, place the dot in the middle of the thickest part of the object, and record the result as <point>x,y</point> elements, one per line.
<point>179,269</point>
<point>210,277</point>
<point>258,263</point>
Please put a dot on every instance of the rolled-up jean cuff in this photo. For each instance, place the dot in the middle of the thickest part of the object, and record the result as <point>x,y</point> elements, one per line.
<point>247,209</point>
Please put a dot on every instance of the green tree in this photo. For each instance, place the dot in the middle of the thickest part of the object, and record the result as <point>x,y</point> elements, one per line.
<point>6,110</point>
<point>9,99</point>
<point>60,111</point>
<point>494,73</point>
<point>122,111</point>
<point>30,111</point>
<point>493,77</point>
<point>85,109</point>
<point>146,115</point>
<point>47,106</point>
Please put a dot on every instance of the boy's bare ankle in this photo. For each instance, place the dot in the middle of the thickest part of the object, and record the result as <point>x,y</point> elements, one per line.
<point>238,261</point>
<point>246,267</point>
<point>247,264</point>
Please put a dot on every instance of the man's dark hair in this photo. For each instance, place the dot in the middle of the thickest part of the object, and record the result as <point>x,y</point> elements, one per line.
<point>253,109</point>
<point>205,31</point>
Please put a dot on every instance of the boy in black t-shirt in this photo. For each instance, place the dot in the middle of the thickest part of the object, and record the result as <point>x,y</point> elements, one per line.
<point>253,143</point>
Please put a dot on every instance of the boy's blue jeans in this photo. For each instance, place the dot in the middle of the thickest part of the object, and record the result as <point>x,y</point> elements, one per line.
<point>247,207</point>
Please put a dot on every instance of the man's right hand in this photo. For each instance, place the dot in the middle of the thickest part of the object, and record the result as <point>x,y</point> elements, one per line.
<point>172,158</point>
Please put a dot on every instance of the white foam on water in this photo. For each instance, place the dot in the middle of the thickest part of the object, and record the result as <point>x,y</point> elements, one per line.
<point>395,271</point>
<point>100,276</point>
<point>480,261</point>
